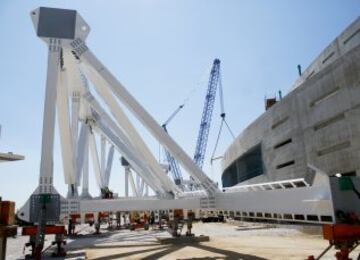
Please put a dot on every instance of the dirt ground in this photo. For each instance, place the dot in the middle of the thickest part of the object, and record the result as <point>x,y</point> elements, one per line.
<point>227,241</point>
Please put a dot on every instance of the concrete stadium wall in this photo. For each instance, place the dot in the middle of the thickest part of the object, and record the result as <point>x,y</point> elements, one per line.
<point>321,117</point>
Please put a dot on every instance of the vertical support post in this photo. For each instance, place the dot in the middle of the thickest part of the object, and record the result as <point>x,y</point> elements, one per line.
<point>75,99</point>
<point>146,190</point>
<point>142,187</point>
<point>85,184</point>
<point>127,170</point>
<point>103,155</point>
<point>75,108</point>
<point>133,186</point>
<point>95,160</point>
<point>108,167</point>
<point>3,248</point>
<point>138,183</point>
<point>66,133</point>
<point>47,145</point>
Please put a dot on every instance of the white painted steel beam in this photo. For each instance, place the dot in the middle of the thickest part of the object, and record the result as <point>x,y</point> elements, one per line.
<point>144,203</point>
<point>137,164</point>
<point>48,130</point>
<point>65,129</point>
<point>321,198</point>
<point>126,147</point>
<point>109,163</point>
<point>315,200</point>
<point>95,160</point>
<point>144,117</point>
<point>75,108</point>
<point>146,189</point>
<point>102,154</point>
<point>85,176</point>
<point>302,201</point>
<point>82,149</point>
<point>142,186</point>
<point>127,172</point>
<point>123,121</point>
<point>132,184</point>
<point>74,86</point>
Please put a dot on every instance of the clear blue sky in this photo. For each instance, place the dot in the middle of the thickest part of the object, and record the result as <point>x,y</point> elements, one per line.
<point>160,50</point>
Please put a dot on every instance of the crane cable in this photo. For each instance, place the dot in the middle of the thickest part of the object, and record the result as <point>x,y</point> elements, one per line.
<point>222,114</point>
<point>223,120</point>
<point>189,95</point>
<point>187,99</point>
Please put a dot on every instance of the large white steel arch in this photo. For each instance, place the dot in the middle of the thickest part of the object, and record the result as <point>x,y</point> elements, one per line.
<point>75,104</point>
<point>70,64</point>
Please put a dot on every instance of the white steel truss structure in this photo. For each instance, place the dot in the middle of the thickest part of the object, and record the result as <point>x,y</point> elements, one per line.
<point>84,122</point>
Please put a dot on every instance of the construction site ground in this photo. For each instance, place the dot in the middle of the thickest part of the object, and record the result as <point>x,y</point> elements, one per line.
<point>231,240</point>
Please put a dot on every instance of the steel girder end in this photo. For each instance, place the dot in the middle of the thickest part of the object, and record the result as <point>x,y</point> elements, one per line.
<point>64,25</point>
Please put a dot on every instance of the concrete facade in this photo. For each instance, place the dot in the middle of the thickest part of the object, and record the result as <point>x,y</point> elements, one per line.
<point>317,123</point>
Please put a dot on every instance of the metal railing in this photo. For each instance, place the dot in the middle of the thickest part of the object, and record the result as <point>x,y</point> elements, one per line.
<point>276,185</point>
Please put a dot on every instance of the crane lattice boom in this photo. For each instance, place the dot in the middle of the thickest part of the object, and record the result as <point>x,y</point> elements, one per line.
<point>203,135</point>
<point>174,167</point>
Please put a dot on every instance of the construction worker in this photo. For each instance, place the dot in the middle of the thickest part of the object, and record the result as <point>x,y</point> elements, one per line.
<point>70,227</point>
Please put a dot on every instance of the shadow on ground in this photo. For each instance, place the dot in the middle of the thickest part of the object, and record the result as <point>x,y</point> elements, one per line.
<point>164,250</point>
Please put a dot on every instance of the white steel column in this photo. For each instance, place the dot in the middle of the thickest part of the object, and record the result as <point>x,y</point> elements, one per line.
<point>65,130</point>
<point>103,154</point>
<point>146,190</point>
<point>75,108</point>
<point>85,165</point>
<point>95,160</point>
<point>127,170</point>
<point>85,184</point>
<point>66,135</point>
<point>82,145</point>
<point>47,145</point>
<point>142,187</point>
<point>133,186</point>
<point>138,183</point>
<point>109,165</point>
